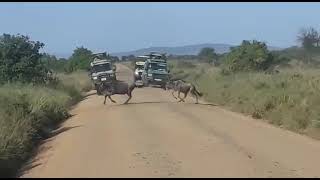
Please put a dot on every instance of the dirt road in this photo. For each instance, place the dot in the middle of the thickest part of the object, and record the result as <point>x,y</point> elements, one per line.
<point>154,136</point>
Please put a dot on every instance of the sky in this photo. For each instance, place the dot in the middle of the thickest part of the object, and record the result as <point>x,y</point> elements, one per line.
<point>126,26</point>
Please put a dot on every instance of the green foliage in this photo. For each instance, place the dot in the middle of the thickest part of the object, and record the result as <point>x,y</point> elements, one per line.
<point>185,64</point>
<point>20,60</point>
<point>80,60</point>
<point>51,62</point>
<point>182,57</point>
<point>207,55</point>
<point>28,113</point>
<point>32,100</point>
<point>114,58</point>
<point>249,56</point>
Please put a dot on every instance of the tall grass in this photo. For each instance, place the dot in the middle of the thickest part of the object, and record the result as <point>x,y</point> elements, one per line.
<point>290,99</point>
<point>27,113</point>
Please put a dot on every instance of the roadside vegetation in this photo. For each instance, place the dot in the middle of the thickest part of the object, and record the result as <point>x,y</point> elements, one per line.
<point>37,89</point>
<point>281,87</point>
<point>36,92</point>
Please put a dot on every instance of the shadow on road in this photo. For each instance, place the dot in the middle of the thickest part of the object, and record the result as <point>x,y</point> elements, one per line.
<point>27,168</point>
<point>89,94</point>
<point>34,162</point>
<point>61,130</point>
<point>150,102</point>
<point>207,104</point>
<point>165,102</point>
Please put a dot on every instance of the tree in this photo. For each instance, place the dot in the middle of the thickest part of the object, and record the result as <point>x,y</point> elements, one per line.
<point>114,58</point>
<point>79,60</point>
<point>207,55</point>
<point>309,38</point>
<point>20,59</point>
<point>53,63</point>
<point>123,58</point>
<point>249,56</point>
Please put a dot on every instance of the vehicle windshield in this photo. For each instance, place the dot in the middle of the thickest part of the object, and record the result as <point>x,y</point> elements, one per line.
<point>139,67</point>
<point>101,67</point>
<point>158,66</point>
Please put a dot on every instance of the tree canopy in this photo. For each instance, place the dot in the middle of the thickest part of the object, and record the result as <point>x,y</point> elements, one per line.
<point>250,56</point>
<point>80,59</point>
<point>20,59</point>
<point>207,55</point>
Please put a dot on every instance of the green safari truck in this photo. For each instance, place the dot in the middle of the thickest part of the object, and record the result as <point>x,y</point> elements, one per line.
<point>155,71</point>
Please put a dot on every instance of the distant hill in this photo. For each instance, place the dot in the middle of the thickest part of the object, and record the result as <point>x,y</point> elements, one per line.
<point>182,50</point>
<point>179,50</point>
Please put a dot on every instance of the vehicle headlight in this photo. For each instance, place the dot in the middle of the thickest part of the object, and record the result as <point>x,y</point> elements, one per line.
<point>150,75</point>
<point>136,72</point>
<point>95,77</point>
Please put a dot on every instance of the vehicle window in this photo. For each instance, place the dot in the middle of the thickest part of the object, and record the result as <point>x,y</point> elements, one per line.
<point>158,66</point>
<point>101,67</point>
<point>139,67</point>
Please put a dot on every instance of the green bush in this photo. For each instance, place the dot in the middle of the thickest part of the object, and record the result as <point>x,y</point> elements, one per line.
<point>53,63</point>
<point>26,112</point>
<point>80,60</point>
<point>207,55</point>
<point>20,60</point>
<point>250,56</point>
<point>185,64</point>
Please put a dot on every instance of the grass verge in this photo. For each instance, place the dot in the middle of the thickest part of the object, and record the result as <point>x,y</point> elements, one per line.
<point>289,99</point>
<point>27,113</point>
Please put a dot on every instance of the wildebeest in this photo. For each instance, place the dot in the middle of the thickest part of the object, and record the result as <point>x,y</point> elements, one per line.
<point>183,87</point>
<point>116,87</point>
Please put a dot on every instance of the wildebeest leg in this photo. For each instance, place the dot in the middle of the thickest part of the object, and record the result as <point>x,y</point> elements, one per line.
<point>174,95</point>
<point>196,98</point>
<point>111,99</point>
<point>105,98</point>
<point>130,95</point>
<point>185,95</point>
<point>180,97</point>
<point>193,91</point>
<point>127,99</point>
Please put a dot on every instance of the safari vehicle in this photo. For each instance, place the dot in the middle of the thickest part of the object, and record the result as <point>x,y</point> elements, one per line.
<point>155,70</point>
<point>139,67</point>
<point>102,70</point>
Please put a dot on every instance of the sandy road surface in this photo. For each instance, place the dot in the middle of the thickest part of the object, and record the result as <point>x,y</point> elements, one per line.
<point>154,136</point>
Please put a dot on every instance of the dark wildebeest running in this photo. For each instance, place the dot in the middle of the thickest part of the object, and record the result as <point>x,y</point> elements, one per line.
<point>116,87</point>
<point>183,87</point>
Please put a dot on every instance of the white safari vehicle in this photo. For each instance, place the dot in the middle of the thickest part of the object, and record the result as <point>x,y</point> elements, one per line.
<point>138,70</point>
<point>102,70</point>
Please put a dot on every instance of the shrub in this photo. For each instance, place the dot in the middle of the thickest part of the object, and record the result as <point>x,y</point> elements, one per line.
<point>250,56</point>
<point>29,112</point>
<point>20,60</point>
<point>185,64</point>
